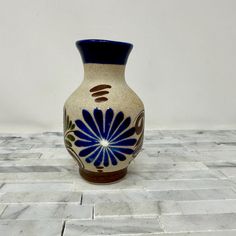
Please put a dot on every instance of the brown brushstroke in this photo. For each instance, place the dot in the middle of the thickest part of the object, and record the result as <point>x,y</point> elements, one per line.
<point>101,99</point>
<point>99,167</point>
<point>97,94</point>
<point>138,125</point>
<point>139,130</point>
<point>139,140</point>
<point>99,87</point>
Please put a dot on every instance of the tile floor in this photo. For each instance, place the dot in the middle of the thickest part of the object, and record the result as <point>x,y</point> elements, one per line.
<point>183,183</point>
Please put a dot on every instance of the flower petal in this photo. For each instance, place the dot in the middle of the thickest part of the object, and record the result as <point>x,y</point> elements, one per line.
<point>87,151</point>
<point>85,129</point>
<point>112,157</point>
<point>124,135</point>
<point>99,119</point>
<point>99,158</point>
<point>118,155</point>
<point>123,150</point>
<point>125,124</point>
<point>106,158</point>
<point>108,121</point>
<point>92,156</point>
<point>125,142</point>
<point>81,135</point>
<point>117,121</point>
<point>81,143</point>
<point>89,120</point>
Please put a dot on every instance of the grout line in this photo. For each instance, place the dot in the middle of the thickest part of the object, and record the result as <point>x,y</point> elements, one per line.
<point>63,228</point>
<point>93,212</point>
<point>81,199</point>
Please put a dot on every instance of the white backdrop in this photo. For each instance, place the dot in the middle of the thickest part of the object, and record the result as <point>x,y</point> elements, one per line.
<point>183,64</point>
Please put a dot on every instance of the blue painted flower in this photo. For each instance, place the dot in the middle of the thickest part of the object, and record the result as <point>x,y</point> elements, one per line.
<point>105,139</point>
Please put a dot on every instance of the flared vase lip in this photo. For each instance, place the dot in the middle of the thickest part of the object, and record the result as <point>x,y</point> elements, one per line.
<point>104,51</point>
<point>105,41</point>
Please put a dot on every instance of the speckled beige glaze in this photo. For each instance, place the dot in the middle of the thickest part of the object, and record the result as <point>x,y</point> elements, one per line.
<point>120,98</point>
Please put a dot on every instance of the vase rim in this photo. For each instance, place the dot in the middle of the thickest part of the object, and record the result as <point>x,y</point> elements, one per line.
<point>79,42</point>
<point>104,51</point>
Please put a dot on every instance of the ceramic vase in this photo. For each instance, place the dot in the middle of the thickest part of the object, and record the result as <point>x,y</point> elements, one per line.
<point>103,118</point>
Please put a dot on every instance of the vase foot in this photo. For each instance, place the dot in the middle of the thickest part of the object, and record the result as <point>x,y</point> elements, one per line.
<point>104,177</point>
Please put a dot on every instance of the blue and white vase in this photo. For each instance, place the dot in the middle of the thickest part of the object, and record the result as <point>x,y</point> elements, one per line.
<point>103,118</point>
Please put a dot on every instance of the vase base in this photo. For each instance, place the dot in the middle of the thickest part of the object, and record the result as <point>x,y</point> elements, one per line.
<point>104,177</point>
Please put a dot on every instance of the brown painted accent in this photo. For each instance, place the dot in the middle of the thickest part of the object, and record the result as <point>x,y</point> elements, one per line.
<point>139,142</point>
<point>78,161</point>
<point>105,177</point>
<point>139,123</point>
<point>99,87</point>
<point>101,99</point>
<point>99,167</point>
<point>139,130</point>
<point>97,94</point>
<point>138,145</point>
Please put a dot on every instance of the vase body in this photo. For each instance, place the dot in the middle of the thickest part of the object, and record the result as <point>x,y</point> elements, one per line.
<point>103,118</point>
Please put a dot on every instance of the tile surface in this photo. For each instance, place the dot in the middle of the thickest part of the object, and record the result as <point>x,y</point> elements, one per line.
<point>198,222</point>
<point>46,211</point>
<point>31,227</point>
<point>183,183</point>
<point>112,227</point>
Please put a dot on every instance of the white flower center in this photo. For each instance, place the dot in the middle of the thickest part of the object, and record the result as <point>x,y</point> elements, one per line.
<point>104,143</point>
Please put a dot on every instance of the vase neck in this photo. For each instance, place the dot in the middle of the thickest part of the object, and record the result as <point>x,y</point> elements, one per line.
<point>104,72</point>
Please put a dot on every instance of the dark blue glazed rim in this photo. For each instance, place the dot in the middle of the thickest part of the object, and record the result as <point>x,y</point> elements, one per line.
<point>104,51</point>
